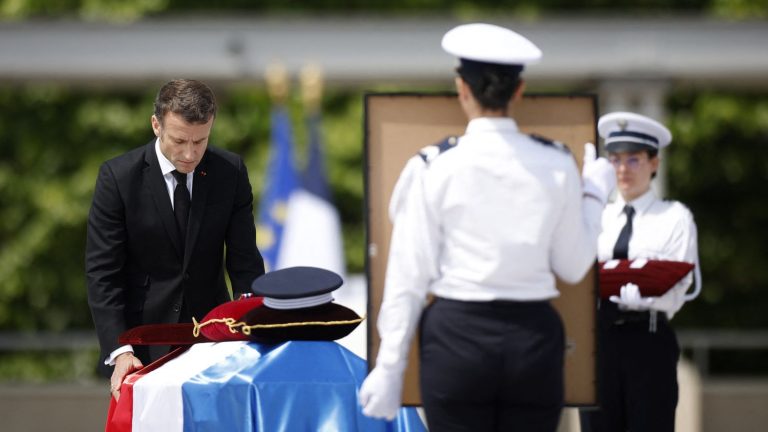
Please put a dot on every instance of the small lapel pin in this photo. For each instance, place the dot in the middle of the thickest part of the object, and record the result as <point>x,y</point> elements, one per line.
<point>203,173</point>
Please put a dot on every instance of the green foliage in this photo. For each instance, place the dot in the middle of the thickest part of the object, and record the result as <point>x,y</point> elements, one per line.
<point>52,144</point>
<point>92,10</point>
<point>31,367</point>
<point>717,166</point>
<point>121,11</point>
<point>740,9</point>
<point>343,143</point>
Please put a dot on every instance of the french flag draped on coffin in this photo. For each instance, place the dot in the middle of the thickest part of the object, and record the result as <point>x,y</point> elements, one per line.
<point>247,386</point>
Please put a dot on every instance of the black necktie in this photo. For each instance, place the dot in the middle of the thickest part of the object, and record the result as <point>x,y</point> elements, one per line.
<point>621,248</point>
<point>181,204</point>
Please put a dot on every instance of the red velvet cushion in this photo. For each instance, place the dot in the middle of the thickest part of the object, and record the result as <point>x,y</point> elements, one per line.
<point>219,331</point>
<point>655,278</point>
<point>325,322</point>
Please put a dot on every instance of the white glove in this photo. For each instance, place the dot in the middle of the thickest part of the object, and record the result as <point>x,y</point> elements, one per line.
<point>381,394</point>
<point>598,174</point>
<point>631,299</point>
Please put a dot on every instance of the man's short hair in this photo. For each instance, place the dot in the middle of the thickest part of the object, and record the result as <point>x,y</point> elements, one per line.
<point>191,99</point>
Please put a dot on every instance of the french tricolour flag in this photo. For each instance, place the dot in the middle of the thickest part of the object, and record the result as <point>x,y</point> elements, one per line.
<point>246,386</point>
<point>312,231</point>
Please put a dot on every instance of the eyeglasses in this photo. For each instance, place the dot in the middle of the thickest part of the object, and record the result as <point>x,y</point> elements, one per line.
<point>631,162</point>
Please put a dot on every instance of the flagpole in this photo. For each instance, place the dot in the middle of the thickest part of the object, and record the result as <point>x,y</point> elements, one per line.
<point>278,83</point>
<point>312,88</point>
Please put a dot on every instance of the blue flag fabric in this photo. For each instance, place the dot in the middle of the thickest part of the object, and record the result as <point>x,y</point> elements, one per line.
<point>276,389</point>
<point>314,179</point>
<point>282,181</point>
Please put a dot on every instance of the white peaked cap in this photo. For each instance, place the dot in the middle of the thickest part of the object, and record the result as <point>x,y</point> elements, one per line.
<point>491,44</point>
<point>626,131</point>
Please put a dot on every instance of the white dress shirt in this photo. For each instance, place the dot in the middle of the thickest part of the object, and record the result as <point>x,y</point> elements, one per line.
<point>166,167</point>
<point>495,217</point>
<point>661,230</point>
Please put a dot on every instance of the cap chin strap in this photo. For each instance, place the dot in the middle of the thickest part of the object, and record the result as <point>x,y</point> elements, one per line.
<point>298,303</point>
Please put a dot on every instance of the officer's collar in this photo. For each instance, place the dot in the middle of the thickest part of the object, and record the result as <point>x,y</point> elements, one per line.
<point>640,204</point>
<point>491,124</point>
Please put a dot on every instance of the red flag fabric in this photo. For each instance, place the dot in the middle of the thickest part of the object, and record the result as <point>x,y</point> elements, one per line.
<point>120,413</point>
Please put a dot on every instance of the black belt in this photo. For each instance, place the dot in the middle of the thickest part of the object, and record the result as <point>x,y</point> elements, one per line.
<point>496,304</point>
<point>611,313</point>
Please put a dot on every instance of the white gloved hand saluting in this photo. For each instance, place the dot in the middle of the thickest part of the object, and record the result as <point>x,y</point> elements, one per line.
<point>630,299</point>
<point>598,174</point>
<point>381,393</point>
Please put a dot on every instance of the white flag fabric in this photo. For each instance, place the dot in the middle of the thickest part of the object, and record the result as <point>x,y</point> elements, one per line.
<point>311,234</point>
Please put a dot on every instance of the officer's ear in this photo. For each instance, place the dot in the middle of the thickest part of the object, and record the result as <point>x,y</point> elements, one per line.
<point>462,88</point>
<point>654,161</point>
<point>519,91</point>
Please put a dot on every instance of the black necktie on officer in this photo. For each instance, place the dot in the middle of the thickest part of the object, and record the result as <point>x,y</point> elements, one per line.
<point>621,249</point>
<point>181,204</point>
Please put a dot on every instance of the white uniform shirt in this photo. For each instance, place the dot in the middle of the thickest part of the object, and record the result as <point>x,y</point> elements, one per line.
<point>661,230</point>
<point>496,216</point>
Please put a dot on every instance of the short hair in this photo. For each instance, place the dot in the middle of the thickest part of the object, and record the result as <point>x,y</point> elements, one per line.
<point>193,100</point>
<point>493,85</point>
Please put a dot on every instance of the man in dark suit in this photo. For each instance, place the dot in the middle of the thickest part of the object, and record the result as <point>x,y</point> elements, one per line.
<point>165,220</point>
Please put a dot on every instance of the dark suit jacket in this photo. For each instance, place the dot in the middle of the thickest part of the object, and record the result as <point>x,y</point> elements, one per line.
<point>135,268</point>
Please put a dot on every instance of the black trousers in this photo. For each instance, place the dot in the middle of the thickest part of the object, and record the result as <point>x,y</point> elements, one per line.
<point>491,366</point>
<point>637,374</point>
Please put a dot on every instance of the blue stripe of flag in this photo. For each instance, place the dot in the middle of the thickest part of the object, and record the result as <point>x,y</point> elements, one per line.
<point>282,180</point>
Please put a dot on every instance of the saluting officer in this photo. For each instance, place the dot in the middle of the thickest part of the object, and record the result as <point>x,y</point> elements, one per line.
<point>638,350</point>
<point>485,222</point>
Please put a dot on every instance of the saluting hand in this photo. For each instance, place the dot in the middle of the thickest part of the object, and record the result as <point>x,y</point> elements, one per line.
<point>597,173</point>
